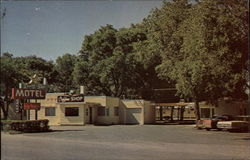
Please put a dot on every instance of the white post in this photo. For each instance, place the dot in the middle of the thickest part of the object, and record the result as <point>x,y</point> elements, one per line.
<point>82,89</point>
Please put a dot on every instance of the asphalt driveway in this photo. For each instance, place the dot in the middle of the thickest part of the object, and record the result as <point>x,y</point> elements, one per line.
<point>146,142</point>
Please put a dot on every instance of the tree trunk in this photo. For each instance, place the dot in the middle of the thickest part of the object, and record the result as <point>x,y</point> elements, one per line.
<point>6,102</point>
<point>4,110</point>
<point>7,109</point>
<point>197,110</point>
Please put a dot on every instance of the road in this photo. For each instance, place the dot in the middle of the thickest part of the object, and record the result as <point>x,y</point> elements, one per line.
<point>126,142</point>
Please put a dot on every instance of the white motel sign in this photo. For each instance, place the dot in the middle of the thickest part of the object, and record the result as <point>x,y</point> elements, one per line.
<point>18,93</point>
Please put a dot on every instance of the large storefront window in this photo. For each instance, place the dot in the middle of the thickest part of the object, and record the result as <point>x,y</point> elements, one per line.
<point>71,111</point>
<point>50,111</point>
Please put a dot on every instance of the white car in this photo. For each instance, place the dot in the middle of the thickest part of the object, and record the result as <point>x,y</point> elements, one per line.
<point>233,125</point>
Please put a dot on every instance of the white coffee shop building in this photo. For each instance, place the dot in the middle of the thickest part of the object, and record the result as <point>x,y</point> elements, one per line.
<point>61,109</point>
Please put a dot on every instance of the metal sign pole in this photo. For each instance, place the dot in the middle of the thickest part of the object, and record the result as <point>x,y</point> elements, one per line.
<point>35,102</point>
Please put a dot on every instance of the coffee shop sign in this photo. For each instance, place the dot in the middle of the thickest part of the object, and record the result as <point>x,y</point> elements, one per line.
<point>18,93</point>
<point>71,98</point>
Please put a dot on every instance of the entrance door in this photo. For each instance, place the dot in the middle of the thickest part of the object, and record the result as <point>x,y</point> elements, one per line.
<point>90,115</point>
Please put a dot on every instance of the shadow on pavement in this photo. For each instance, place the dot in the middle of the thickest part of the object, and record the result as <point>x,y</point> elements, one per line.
<point>66,130</point>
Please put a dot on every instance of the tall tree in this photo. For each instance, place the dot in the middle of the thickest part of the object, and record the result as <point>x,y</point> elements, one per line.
<point>9,78</point>
<point>106,61</point>
<point>64,68</point>
<point>209,52</point>
<point>159,28</point>
<point>31,65</point>
<point>16,70</point>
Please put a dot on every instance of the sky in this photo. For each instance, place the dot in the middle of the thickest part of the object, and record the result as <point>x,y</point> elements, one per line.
<point>50,29</point>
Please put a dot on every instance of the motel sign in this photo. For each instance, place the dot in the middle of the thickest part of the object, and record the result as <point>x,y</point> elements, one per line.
<point>29,106</point>
<point>18,93</point>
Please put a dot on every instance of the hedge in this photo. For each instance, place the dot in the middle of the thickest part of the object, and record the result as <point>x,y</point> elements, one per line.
<point>26,126</point>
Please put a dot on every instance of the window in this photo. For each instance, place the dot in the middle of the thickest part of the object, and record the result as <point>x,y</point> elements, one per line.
<point>101,111</point>
<point>50,111</point>
<point>71,111</point>
<point>87,112</point>
<point>107,111</point>
<point>116,111</point>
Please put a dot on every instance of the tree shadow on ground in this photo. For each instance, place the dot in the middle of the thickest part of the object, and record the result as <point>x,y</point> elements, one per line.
<point>66,130</point>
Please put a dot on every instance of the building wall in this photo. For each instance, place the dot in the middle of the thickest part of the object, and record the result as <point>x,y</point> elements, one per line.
<point>49,101</point>
<point>122,112</point>
<point>87,114</point>
<point>108,103</point>
<point>149,113</point>
<point>232,108</point>
<point>126,112</point>
<point>72,120</point>
<point>134,111</point>
<point>53,120</point>
<point>134,116</point>
<point>96,99</point>
<point>111,103</point>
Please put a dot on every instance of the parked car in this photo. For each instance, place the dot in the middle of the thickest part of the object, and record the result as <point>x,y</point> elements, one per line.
<point>242,117</point>
<point>200,124</point>
<point>238,123</point>
<point>212,123</point>
<point>234,125</point>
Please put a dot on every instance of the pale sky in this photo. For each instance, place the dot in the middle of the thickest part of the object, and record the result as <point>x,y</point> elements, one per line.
<point>49,29</point>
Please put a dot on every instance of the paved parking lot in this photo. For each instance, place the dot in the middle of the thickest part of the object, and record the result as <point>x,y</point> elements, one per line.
<point>126,142</point>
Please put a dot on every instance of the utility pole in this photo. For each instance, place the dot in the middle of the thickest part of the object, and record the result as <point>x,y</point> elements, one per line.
<point>5,107</point>
<point>3,14</point>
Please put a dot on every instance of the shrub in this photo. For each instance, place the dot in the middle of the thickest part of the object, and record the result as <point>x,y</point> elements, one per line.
<point>26,126</point>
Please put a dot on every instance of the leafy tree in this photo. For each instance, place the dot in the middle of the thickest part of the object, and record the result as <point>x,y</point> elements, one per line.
<point>106,64</point>
<point>9,79</point>
<point>31,65</point>
<point>64,68</point>
<point>15,70</point>
<point>158,27</point>
<point>209,52</point>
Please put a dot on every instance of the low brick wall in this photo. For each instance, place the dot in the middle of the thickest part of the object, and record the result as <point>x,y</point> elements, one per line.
<point>26,126</point>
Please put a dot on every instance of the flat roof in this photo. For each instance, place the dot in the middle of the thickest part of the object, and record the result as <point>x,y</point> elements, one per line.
<point>172,104</point>
<point>132,104</point>
<point>78,103</point>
